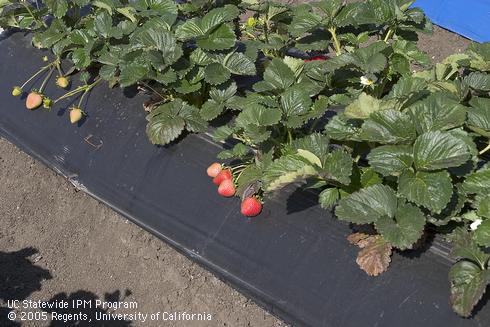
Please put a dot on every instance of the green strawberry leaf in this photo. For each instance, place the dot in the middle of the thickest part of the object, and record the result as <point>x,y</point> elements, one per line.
<point>223,92</point>
<point>258,115</point>
<point>220,39</point>
<point>286,170</point>
<point>363,107</point>
<point>482,233</point>
<point>388,127</point>
<point>338,167</point>
<point>432,190</point>
<point>341,128</point>
<point>239,64</point>
<point>478,182</point>
<point>437,112</point>
<point>316,143</point>
<point>57,7</point>
<point>479,81</point>
<point>479,113</point>
<point>218,16</point>
<point>484,207</point>
<point>222,133</point>
<point>367,205</point>
<point>404,229</point>
<point>168,121</point>
<point>465,247</point>
<point>131,73</point>
<point>369,177</point>
<point>211,109</point>
<point>295,101</point>
<point>238,151</point>
<point>279,75</point>
<point>391,159</point>
<point>164,123</point>
<point>328,198</point>
<point>216,74</point>
<point>439,150</point>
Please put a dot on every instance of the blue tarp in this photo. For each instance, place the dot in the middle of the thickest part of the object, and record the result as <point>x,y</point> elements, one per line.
<point>470,18</point>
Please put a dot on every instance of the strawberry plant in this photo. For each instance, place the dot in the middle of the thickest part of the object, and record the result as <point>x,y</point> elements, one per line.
<point>184,56</point>
<point>341,100</point>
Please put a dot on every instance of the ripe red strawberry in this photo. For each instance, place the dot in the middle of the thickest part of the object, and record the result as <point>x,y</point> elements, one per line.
<point>214,169</point>
<point>316,58</point>
<point>224,174</point>
<point>251,207</point>
<point>34,100</point>
<point>226,188</point>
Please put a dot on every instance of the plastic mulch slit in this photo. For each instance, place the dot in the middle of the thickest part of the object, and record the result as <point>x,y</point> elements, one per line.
<point>293,260</point>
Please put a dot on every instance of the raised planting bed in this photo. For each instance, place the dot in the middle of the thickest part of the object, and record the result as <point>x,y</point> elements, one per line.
<point>293,260</point>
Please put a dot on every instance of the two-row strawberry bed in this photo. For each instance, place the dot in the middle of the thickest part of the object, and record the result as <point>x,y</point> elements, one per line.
<point>405,153</point>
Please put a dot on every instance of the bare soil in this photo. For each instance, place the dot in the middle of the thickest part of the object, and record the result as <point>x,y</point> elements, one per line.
<point>56,243</point>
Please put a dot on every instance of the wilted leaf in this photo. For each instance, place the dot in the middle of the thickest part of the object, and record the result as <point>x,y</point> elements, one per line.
<point>375,254</point>
<point>468,284</point>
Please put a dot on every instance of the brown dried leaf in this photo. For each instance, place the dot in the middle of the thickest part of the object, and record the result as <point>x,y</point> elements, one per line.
<point>375,256</point>
<point>358,239</point>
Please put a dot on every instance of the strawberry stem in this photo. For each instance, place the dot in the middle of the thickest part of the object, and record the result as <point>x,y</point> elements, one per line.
<point>389,34</point>
<point>33,76</point>
<point>333,32</point>
<point>486,149</point>
<point>58,66</point>
<point>152,89</point>
<point>46,79</point>
<point>32,15</point>
<point>84,88</point>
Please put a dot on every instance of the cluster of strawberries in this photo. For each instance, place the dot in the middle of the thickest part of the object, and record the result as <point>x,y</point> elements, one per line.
<point>223,177</point>
<point>36,98</point>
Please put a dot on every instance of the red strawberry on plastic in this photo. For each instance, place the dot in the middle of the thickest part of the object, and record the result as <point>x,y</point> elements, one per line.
<point>251,207</point>
<point>34,100</point>
<point>214,169</point>
<point>227,188</point>
<point>224,174</point>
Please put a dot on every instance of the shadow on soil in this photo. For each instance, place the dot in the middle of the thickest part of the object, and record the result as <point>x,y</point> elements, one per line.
<point>20,277</point>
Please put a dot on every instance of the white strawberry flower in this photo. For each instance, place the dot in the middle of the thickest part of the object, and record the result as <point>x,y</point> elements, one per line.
<point>366,81</point>
<point>474,225</point>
